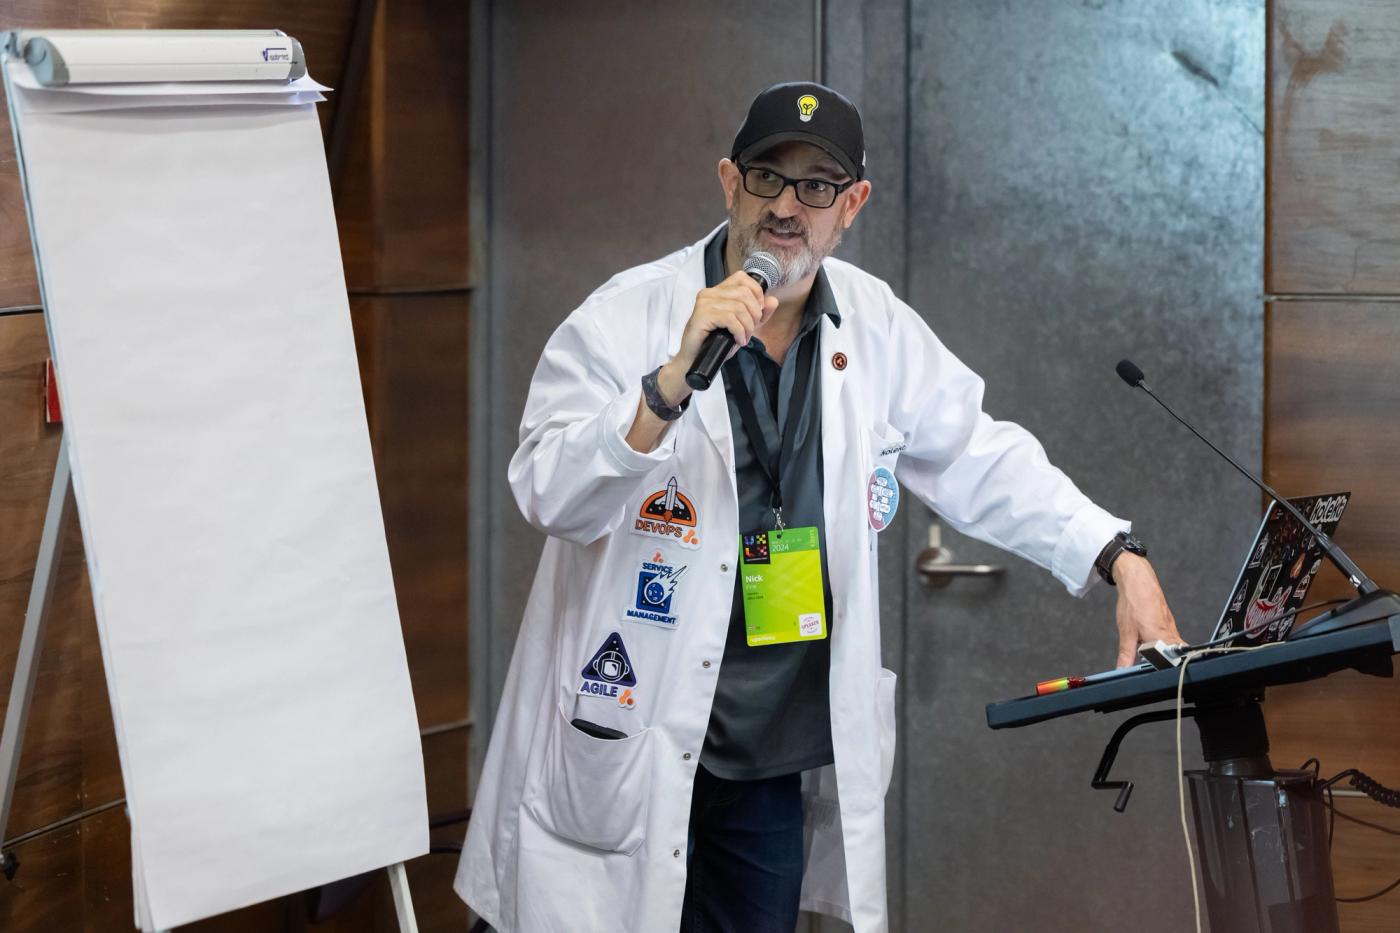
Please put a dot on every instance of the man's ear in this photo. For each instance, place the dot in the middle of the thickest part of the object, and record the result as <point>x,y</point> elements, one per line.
<point>729,181</point>
<point>852,200</point>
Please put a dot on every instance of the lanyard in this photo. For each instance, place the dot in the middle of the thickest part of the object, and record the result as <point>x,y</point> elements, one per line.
<point>772,465</point>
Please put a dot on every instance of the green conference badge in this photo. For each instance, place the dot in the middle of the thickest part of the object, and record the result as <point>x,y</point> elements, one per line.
<point>781,577</point>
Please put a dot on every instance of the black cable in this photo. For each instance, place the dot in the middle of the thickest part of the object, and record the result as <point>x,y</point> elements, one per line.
<point>1317,779</point>
<point>1356,819</point>
<point>1331,817</point>
<point>1368,786</point>
<point>1377,792</point>
<point>1371,897</point>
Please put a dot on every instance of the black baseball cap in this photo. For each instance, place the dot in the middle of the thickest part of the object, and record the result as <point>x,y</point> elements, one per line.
<point>806,112</point>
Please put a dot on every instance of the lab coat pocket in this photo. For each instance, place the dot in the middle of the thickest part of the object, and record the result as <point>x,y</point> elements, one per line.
<point>886,443</point>
<point>884,709</point>
<point>593,791</point>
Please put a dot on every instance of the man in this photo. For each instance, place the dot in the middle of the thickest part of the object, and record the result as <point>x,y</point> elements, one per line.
<point>696,731</point>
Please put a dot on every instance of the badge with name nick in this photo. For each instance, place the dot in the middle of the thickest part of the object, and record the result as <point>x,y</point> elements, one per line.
<point>780,574</point>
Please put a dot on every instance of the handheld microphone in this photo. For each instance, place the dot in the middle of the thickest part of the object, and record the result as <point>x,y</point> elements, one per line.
<point>1373,603</point>
<point>764,269</point>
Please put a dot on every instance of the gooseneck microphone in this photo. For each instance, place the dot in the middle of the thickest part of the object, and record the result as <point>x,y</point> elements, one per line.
<point>764,269</point>
<point>1373,603</point>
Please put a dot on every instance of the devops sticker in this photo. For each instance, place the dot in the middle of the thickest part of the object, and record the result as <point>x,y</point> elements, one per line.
<point>669,514</point>
<point>882,498</point>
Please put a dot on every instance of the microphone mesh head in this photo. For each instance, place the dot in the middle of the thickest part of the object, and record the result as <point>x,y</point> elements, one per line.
<point>765,267</point>
<point>1129,373</point>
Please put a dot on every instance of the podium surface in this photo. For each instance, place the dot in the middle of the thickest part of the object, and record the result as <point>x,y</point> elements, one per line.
<point>1367,648</point>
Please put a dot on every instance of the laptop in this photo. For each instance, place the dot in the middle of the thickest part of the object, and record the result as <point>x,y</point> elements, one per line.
<point>1279,570</point>
<point>1283,562</point>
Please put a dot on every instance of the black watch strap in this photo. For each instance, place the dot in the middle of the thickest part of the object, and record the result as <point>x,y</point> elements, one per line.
<point>651,393</point>
<point>1121,542</point>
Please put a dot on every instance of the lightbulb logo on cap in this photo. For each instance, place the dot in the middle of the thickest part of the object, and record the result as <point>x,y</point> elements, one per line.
<point>670,514</point>
<point>609,674</point>
<point>806,106</point>
<point>656,586</point>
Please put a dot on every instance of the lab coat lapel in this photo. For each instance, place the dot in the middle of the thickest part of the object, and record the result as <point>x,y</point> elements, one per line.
<point>839,449</point>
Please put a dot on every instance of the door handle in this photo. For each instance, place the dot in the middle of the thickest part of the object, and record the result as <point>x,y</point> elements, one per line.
<point>936,566</point>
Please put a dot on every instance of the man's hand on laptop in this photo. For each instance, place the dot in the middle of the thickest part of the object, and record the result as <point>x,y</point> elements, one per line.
<point>1143,614</point>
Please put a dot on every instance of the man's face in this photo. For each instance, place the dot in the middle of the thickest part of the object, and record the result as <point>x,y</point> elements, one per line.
<point>798,235</point>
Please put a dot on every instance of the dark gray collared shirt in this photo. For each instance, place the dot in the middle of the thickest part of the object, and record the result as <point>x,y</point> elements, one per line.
<point>771,712</point>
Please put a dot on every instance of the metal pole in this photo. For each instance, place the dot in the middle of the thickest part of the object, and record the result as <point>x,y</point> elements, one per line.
<point>32,637</point>
<point>403,901</point>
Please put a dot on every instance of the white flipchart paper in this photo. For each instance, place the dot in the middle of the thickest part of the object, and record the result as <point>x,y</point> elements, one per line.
<point>226,488</point>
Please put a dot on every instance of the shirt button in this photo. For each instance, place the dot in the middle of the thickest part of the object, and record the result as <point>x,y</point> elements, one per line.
<point>686,756</point>
<point>723,568</point>
<point>676,853</point>
<point>705,664</point>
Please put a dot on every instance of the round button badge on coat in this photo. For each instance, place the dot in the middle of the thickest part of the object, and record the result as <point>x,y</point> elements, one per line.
<point>882,498</point>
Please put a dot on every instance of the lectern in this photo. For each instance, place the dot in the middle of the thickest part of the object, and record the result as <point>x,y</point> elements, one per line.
<point>1262,832</point>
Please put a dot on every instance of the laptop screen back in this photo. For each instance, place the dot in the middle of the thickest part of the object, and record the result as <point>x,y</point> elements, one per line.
<point>1282,564</point>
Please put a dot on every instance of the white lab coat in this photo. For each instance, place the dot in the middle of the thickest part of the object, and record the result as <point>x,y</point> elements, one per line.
<point>574,833</point>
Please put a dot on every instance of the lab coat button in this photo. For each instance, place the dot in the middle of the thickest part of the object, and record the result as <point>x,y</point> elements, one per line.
<point>686,756</point>
<point>723,568</point>
<point>705,664</point>
<point>676,853</point>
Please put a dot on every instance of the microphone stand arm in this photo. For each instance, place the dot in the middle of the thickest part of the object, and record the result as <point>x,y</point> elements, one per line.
<point>1354,574</point>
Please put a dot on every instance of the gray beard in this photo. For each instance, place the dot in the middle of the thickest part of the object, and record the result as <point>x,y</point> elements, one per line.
<point>797,262</point>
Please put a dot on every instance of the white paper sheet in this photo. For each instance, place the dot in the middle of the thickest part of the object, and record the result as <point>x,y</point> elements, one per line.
<point>226,489</point>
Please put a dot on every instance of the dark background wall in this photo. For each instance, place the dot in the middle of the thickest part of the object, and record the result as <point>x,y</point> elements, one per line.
<point>1058,185</point>
<point>1053,191</point>
<point>1085,185</point>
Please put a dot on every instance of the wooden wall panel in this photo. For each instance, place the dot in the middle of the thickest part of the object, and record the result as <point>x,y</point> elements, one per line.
<point>1332,158</point>
<point>398,233</point>
<point>1332,416</point>
<point>1333,369</point>
<point>322,27</point>
<point>415,348</point>
<point>422,132</point>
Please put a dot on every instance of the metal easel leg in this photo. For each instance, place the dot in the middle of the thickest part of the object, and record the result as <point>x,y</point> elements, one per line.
<point>32,637</point>
<point>403,902</point>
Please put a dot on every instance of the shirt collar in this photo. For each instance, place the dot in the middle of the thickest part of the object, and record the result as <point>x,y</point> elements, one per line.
<point>821,300</point>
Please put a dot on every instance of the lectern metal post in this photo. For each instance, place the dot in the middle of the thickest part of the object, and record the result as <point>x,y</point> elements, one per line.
<point>1261,833</point>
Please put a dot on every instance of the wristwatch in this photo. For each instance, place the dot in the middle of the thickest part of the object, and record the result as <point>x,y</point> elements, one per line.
<point>1121,542</point>
<point>661,408</point>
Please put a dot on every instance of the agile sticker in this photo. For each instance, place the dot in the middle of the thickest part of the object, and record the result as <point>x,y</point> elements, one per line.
<point>609,674</point>
<point>669,514</point>
<point>656,587</point>
<point>882,498</point>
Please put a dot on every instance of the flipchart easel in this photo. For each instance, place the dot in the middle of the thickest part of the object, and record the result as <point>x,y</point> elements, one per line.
<point>56,519</point>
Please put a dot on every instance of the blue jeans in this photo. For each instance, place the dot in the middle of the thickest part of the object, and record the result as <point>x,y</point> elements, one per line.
<point>744,855</point>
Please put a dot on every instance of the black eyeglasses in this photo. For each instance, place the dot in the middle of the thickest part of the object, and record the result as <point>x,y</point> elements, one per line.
<point>813,192</point>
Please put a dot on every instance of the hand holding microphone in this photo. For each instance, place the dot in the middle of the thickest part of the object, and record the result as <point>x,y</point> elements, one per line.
<point>725,317</point>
